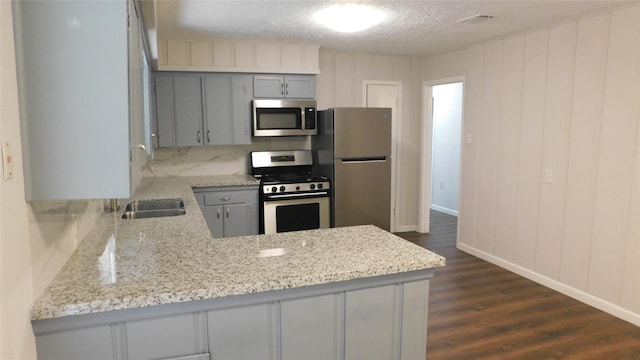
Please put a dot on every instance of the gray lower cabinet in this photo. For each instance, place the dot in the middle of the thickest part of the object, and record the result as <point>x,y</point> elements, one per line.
<point>203,109</point>
<point>158,339</point>
<point>229,211</point>
<point>375,318</point>
<point>91,342</point>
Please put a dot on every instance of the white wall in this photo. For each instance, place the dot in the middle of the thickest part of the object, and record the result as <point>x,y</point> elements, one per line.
<point>564,98</point>
<point>445,166</point>
<point>36,239</point>
<point>15,271</point>
<point>340,84</point>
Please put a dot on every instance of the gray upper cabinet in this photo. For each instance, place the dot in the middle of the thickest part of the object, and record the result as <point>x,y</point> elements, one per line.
<point>284,86</point>
<point>197,109</point>
<point>188,110</point>
<point>73,67</point>
<point>228,109</point>
<point>166,133</point>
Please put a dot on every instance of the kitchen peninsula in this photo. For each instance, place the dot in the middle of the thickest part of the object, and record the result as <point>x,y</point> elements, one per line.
<point>163,288</point>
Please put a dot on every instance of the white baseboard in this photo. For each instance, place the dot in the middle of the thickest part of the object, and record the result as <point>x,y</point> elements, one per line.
<point>444,210</point>
<point>565,289</point>
<point>405,228</point>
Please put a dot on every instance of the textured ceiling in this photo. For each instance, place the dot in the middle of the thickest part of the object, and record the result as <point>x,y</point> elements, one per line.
<point>419,28</point>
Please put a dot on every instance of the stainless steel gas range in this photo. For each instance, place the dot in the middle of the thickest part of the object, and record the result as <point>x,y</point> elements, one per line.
<point>291,196</point>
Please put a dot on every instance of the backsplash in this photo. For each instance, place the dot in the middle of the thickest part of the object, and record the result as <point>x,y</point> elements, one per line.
<point>56,228</point>
<point>216,160</point>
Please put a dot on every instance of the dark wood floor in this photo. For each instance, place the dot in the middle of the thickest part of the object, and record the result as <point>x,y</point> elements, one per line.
<point>480,311</point>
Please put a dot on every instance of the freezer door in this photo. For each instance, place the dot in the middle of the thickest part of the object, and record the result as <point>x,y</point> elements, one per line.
<point>362,191</point>
<point>362,132</point>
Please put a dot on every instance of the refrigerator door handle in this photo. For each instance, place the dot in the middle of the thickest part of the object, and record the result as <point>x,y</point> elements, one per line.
<point>364,160</point>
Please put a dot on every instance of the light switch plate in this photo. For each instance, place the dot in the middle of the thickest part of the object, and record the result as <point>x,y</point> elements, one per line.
<point>548,176</point>
<point>7,160</point>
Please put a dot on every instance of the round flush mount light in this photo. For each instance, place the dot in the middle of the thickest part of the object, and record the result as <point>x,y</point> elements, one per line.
<point>349,18</point>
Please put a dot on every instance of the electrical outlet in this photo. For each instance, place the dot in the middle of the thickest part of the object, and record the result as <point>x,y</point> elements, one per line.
<point>548,176</point>
<point>7,160</point>
<point>467,138</point>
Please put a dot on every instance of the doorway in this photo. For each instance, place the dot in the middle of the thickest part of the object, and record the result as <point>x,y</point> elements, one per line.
<point>387,94</point>
<point>441,149</point>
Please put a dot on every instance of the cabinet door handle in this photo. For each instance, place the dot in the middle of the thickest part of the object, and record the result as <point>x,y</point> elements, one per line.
<point>286,89</point>
<point>282,89</point>
<point>198,136</point>
<point>208,136</point>
<point>225,199</point>
<point>227,213</point>
<point>218,213</point>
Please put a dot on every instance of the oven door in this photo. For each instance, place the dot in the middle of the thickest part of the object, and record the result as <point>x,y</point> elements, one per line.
<point>282,214</point>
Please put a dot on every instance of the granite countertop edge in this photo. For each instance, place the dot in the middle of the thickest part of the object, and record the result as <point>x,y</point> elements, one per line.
<point>171,260</point>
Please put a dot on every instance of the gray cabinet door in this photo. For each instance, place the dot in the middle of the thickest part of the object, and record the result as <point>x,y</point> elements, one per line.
<point>284,86</point>
<point>214,216</point>
<point>268,86</point>
<point>83,343</point>
<point>237,220</point>
<point>241,96</point>
<point>187,97</point>
<point>298,339</point>
<point>217,109</point>
<point>242,333</point>
<point>164,111</point>
<point>73,79</point>
<point>369,324</point>
<point>167,337</point>
<point>300,86</point>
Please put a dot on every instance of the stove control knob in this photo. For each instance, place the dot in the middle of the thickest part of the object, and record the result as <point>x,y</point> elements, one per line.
<point>312,186</point>
<point>282,188</point>
<point>274,189</point>
<point>319,186</point>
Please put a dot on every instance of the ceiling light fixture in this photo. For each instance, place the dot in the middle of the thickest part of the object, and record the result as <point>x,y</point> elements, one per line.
<point>349,18</point>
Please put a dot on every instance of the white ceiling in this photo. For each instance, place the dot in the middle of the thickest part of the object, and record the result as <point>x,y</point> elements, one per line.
<point>420,28</point>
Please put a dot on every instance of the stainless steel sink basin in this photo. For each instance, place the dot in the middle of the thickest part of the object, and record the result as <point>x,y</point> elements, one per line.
<point>157,204</point>
<point>144,209</point>
<point>145,214</point>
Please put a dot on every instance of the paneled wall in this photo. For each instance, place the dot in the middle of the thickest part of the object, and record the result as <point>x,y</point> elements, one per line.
<point>340,83</point>
<point>551,181</point>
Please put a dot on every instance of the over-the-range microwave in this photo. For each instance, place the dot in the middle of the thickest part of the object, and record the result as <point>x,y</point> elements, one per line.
<point>284,117</point>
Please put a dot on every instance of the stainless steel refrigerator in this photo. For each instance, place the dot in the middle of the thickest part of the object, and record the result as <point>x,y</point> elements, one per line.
<point>353,149</point>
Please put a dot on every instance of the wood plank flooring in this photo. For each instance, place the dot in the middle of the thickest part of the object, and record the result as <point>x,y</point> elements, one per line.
<point>480,311</point>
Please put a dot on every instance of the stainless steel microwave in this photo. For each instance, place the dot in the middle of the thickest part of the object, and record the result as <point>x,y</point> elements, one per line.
<point>278,117</point>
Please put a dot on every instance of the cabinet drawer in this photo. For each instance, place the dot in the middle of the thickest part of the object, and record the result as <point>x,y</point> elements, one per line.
<point>230,197</point>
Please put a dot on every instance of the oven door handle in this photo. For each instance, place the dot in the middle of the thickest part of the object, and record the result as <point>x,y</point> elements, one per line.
<point>308,195</point>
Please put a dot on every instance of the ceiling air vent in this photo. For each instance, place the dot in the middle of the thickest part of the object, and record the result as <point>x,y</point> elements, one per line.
<point>475,19</point>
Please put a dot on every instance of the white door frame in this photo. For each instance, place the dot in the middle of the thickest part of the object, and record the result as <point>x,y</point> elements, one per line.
<point>426,150</point>
<point>395,135</point>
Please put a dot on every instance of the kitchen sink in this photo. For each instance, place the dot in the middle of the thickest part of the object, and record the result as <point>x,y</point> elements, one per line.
<point>145,214</point>
<point>158,204</point>
<point>144,209</point>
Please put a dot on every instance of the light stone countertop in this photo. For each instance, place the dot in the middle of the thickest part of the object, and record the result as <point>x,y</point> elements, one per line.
<point>127,264</point>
